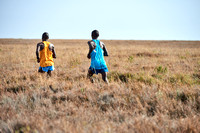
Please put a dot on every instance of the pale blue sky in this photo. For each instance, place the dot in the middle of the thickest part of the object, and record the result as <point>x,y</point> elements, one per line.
<point>115,19</point>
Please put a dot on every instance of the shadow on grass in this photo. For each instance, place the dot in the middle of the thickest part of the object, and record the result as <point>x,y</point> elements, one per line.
<point>15,89</point>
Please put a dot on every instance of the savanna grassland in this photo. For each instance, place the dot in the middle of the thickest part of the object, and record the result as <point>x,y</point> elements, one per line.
<point>154,87</point>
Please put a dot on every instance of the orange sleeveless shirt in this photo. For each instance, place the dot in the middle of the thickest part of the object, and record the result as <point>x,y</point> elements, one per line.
<point>46,58</point>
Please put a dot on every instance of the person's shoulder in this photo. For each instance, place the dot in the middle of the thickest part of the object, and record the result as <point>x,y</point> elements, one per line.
<point>40,43</point>
<point>51,46</point>
<point>102,44</point>
<point>91,42</point>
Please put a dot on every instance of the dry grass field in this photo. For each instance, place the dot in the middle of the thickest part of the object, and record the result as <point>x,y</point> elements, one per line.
<point>154,87</point>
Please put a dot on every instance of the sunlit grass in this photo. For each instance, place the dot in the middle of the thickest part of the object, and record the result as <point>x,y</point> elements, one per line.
<point>154,87</point>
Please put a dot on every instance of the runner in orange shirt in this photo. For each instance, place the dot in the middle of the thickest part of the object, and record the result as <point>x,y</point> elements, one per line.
<point>45,53</point>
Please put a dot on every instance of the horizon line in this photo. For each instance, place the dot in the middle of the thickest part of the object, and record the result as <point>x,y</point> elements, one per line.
<point>102,39</point>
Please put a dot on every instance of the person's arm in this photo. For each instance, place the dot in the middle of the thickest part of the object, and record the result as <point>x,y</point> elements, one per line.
<point>37,52</point>
<point>51,48</point>
<point>54,53</point>
<point>105,50</point>
<point>90,49</point>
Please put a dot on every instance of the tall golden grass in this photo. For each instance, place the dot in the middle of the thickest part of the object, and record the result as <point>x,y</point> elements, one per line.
<point>154,87</point>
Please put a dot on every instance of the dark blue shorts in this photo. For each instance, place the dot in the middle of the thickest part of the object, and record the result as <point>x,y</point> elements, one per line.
<point>96,71</point>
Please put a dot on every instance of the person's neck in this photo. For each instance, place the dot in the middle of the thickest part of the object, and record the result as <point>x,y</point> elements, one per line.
<point>44,40</point>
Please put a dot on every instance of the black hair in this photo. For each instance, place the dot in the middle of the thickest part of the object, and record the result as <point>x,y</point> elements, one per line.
<point>95,34</point>
<point>45,36</point>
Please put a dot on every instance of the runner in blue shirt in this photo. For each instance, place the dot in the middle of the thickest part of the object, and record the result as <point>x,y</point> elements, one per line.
<point>97,51</point>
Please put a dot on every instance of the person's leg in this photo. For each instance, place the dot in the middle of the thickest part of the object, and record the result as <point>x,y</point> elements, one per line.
<point>49,73</point>
<point>89,75</point>
<point>40,70</point>
<point>104,77</point>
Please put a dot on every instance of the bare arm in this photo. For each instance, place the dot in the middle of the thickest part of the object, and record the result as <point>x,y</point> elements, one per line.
<point>105,50</point>
<point>54,53</point>
<point>37,52</point>
<point>52,49</point>
<point>91,48</point>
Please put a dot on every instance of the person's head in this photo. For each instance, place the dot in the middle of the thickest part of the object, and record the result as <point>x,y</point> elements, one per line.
<point>45,36</point>
<point>95,34</point>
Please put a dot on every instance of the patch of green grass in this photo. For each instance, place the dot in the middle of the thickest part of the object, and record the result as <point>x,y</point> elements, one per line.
<point>157,76</point>
<point>198,63</point>
<point>187,53</point>
<point>183,96</point>
<point>75,62</point>
<point>83,90</point>
<point>127,77</point>
<point>173,80</point>
<point>23,128</point>
<point>182,79</point>
<point>145,79</point>
<point>196,78</point>
<point>130,58</point>
<point>123,77</point>
<point>161,69</point>
<point>185,79</point>
<point>183,57</point>
<point>160,72</point>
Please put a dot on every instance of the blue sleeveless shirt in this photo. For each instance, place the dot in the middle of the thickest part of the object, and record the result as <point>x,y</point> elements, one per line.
<point>97,57</point>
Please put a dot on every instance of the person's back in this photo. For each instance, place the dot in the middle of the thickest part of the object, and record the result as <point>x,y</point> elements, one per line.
<point>97,57</point>
<point>45,53</point>
<point>46,58</point>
